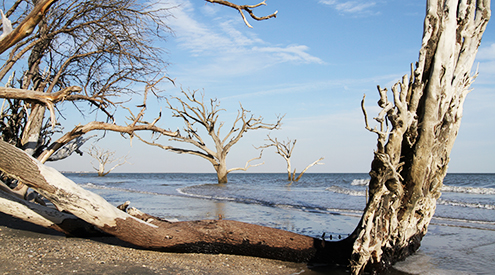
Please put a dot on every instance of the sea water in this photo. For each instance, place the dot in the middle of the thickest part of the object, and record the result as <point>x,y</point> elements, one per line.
<point>461,238</point>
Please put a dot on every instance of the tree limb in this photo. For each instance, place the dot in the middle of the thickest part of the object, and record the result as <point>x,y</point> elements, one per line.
<point>247,166</point>
<point>27,26</point>
<point>247,8</point>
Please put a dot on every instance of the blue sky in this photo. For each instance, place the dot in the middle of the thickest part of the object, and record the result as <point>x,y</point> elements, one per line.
<point>312,63</point>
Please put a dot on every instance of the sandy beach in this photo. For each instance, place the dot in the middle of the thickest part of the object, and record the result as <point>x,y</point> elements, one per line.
<point>29,249</point>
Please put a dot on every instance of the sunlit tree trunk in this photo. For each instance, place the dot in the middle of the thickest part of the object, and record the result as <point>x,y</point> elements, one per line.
<point>411,160</point>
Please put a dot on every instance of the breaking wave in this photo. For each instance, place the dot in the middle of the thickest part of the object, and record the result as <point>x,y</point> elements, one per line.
<point>360,182</point>
<point>468,190</point>
<point>346,191</point>
<point>465,204</point>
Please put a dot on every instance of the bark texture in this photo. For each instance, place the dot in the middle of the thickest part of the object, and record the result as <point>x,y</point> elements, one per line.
<point>411,160</point>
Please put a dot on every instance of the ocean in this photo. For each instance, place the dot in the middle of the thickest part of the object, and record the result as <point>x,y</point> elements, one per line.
<point>460,239</point>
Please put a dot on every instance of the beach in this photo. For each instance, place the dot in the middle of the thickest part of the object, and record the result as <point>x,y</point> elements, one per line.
<point>30,249</point>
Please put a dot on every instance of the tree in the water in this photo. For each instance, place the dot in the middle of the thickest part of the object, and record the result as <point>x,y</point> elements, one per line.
<point>195,112</point>
<point>284,149</point>
<point>104,158</point>
<point>407,171</point>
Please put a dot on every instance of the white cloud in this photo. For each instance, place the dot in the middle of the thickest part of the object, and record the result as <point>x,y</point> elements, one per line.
<point>295,53</point>
<point>350,6</point>
<point>230,40</point>
<point>486,53</point>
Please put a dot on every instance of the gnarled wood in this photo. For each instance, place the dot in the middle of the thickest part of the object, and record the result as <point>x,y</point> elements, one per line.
<point>27,26</point>
<point>411,159</point>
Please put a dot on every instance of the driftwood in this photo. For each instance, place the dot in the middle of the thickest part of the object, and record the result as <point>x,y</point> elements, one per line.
<point>407,172</point>
<point>208,236</point>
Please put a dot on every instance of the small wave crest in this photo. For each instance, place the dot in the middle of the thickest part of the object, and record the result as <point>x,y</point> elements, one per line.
<point>465,204</point>
<point>360,182</point>
<point>184,191</point>
<point>346,191</point>
<point>468,190</point>
<point>103,187</point>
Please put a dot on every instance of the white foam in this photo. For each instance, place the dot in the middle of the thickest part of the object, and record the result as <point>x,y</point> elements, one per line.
<point>468,190</point>
<point>465,204</point>
<point>360,182</point>
<point>350,192</point>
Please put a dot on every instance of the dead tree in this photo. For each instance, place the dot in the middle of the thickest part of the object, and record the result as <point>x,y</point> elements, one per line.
<point>107,46</point>
<point>284,149</point>
<point>104,51</point>
<point>424,115</point>
<point>104,158</point>
<point>195,112</point>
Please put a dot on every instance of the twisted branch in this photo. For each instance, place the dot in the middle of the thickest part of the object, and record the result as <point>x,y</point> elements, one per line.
<point>247,8</point>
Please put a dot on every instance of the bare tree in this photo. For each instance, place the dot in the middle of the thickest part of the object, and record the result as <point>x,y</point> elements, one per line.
<point>104,158</point>
<point>102,47</point>
<point>195,112</point>
<point>284,149</point>
<point>85,52</point>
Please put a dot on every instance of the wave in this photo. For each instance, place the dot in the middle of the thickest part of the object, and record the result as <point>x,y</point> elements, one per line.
<point>360,182</point>
<point>445,188</point>
<point>468,190</point>
<point>102,187</point>
<point>183,192</point>
<point>346,191</point>
<point>465,204</point>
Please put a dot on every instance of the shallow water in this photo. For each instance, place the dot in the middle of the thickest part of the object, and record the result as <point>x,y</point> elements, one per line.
<point>318,203</point>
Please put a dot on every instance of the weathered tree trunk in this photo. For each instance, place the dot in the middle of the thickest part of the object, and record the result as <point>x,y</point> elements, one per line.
<point>221,169</point>
<point>46,217</point>
<point>408,169</point>
<point>210,236</point>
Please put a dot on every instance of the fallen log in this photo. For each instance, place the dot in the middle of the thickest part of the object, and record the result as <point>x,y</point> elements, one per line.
<point>205,236</point>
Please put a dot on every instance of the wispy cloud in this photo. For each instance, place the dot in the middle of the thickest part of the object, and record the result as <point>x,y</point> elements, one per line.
<point>354,7</point>
<point>230,40</point>
<point>486,52</point>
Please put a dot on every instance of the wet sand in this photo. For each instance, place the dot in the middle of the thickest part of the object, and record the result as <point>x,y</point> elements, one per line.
<point>30,249</point>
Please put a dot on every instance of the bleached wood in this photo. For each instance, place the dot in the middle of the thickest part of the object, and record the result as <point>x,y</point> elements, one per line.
<point>416,134</point>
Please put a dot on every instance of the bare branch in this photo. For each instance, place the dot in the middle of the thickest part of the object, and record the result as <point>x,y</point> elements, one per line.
<point>27,26</point>
<point>317,162</point>
<point>285,149</point>
<point>105,157</point>
<point>247,8</point>
<point>80,130</point>
<point>248,165</point>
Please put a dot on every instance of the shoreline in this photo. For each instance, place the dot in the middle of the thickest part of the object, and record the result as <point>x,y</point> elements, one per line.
<point>30,249</point>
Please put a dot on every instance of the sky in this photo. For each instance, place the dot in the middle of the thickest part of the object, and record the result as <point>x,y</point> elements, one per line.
<point>313,63</point>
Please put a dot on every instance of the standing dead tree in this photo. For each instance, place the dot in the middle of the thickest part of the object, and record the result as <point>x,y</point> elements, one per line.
<point>412,156</point>
<point>284,149</point>
<point>195,112</point>
<point>104,158</point>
